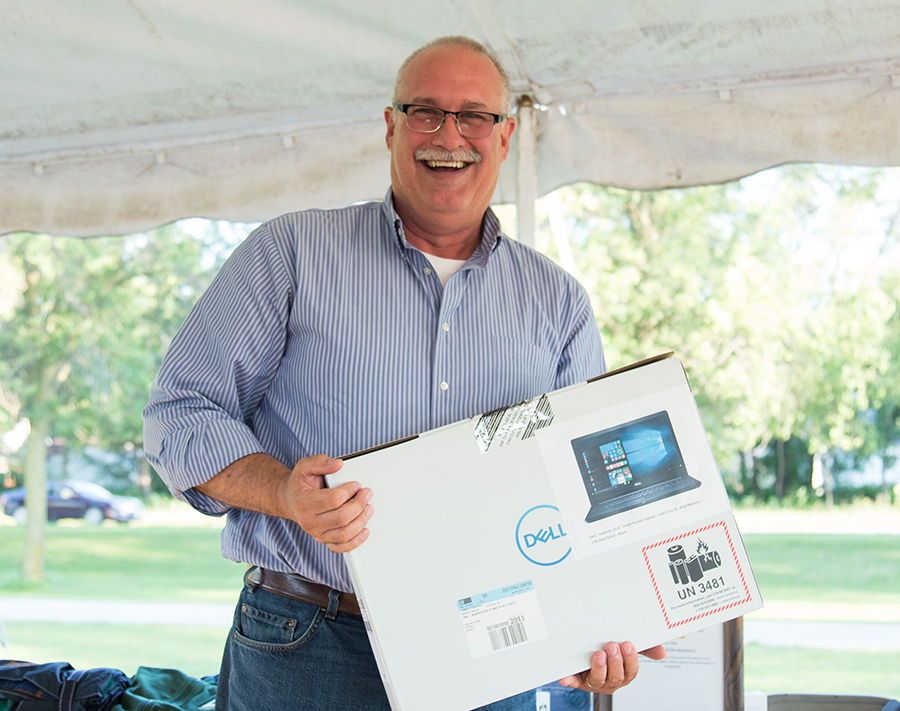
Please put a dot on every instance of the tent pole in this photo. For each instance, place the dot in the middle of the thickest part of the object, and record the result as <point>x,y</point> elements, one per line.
<point>526,185</point>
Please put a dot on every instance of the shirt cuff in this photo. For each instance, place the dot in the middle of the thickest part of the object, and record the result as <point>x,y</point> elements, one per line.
<point>200,453</point>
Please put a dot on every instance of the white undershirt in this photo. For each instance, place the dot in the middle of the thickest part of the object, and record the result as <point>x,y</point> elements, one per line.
<point>445,268</point>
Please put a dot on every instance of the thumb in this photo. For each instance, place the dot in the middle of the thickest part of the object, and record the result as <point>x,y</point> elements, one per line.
<point>312,470</point>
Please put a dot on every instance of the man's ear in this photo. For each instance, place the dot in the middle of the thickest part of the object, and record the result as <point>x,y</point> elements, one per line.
<point>389,120</point>
<point>509,126</point>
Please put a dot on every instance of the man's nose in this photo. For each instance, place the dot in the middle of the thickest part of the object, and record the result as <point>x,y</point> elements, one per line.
<point>448,134</point>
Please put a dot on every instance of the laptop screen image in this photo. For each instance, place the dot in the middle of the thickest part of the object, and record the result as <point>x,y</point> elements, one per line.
<point>636,455</point>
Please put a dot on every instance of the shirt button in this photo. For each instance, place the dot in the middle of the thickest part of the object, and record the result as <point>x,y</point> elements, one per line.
<point>444,386</point>
<point>427,271</point>
<point>445,326</point>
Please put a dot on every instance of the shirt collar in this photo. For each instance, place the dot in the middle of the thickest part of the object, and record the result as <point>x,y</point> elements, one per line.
<point>491,233</point>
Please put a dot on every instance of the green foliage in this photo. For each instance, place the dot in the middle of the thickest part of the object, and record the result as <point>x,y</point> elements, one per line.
<point>777,294</point>
<point>86,323</point>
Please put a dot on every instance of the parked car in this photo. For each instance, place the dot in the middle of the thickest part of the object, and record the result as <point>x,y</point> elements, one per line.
<point>75,499</point>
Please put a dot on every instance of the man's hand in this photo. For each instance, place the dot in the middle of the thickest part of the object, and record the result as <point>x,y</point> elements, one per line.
<point>336,517</point>
<point>612,667</point>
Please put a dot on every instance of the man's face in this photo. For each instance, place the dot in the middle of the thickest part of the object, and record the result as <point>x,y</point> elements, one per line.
<point>439,199</point>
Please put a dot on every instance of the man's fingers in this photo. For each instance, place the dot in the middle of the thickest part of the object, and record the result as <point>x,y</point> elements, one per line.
<point>595,677</point>
<point>342,528</point>
<point>350,545</point>
<point>336,517</point>
<point>630,663</point>
<point>658,652</point>
<point>612,667</point>
<point>615,667</point>
<point>325,501</point>
<point>344,523</point>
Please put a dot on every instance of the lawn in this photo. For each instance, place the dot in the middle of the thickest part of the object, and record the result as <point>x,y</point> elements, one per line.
<point>114,562</point>
<point>198,650</point>
<point>817,570</point>
<point>837,576</point>
<point>193,650</point>
<point>794,670</point>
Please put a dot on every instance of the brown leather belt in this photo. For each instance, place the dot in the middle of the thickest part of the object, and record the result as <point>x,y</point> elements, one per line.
<point>296,588</point>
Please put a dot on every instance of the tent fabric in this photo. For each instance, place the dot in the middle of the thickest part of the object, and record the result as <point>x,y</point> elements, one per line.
<point>117,117</point>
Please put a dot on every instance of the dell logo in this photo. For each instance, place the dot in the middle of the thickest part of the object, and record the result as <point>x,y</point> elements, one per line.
<point>543,535</point>
<point>540,536</point>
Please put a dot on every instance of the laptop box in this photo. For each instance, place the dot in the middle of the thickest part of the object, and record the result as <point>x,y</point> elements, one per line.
<point>486,574</point>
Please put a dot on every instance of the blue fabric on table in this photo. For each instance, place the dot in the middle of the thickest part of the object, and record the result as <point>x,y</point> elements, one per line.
<point>39,687</point>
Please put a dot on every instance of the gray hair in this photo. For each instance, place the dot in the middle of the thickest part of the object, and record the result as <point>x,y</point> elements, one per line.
<point>457,41</point>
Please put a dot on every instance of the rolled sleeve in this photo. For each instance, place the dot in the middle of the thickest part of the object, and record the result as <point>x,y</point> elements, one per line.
<point>217,371</point>
<point>186,456</point>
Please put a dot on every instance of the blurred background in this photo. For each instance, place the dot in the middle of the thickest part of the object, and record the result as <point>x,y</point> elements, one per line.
<point>779,292</point>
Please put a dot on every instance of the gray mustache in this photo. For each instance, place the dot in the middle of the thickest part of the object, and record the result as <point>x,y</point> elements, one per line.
<point>460,154</point>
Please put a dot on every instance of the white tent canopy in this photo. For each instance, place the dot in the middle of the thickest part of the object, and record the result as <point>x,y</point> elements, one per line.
<point>120,116</point>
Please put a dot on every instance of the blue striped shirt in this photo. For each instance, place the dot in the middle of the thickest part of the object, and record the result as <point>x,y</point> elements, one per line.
<point>326,332</point>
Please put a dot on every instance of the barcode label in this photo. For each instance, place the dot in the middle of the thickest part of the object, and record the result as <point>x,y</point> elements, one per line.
<point>502,618</point>
<point>507,634</point>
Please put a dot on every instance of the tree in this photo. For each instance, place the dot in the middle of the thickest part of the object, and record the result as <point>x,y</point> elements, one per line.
<point>83,338</point>
<point>880,424</point>
<point>697,272</point>
<point>761,288</point>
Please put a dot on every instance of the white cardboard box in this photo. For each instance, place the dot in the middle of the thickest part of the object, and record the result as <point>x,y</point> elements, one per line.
<point>485,574</point>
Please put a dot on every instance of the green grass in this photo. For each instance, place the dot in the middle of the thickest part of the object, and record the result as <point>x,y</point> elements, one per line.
<point>833,569</point>
<point>132,563</point>
<point>794,670</point>
<point>193,650</point>
<point>839,573</point>
<point>198,651</point>
<point>124,563</point>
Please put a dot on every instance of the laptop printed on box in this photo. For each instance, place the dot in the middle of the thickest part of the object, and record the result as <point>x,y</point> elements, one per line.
<point>631,465</point>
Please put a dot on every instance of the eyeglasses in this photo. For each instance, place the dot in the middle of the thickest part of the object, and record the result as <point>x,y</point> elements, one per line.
<point>427,119</point>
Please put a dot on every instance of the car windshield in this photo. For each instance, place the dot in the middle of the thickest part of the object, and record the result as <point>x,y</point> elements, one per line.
<point>90,489</point>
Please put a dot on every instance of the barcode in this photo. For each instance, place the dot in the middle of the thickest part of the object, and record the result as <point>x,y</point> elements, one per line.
<point>507,634</point>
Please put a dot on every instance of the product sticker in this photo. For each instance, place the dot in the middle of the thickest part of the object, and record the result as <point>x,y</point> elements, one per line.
<point>696,574</point>
<point>507,425</point>
<point>502,618</point>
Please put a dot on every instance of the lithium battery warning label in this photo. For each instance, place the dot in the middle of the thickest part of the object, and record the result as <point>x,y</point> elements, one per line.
<point>696,574</point>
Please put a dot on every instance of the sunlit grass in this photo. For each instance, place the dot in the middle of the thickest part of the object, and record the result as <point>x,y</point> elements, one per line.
<point>796,670</point>
<point>198,650</point>
<point>194,650</point>
<point>835,569</point>
<point>124,563</point>
<point>838,576</point>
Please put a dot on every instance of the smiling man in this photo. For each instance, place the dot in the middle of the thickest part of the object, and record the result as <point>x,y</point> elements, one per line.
<point>331,331</point>
<point>444,167</point>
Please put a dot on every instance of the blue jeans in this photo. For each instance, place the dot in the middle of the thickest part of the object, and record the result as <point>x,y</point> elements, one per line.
<point>283,654</point>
